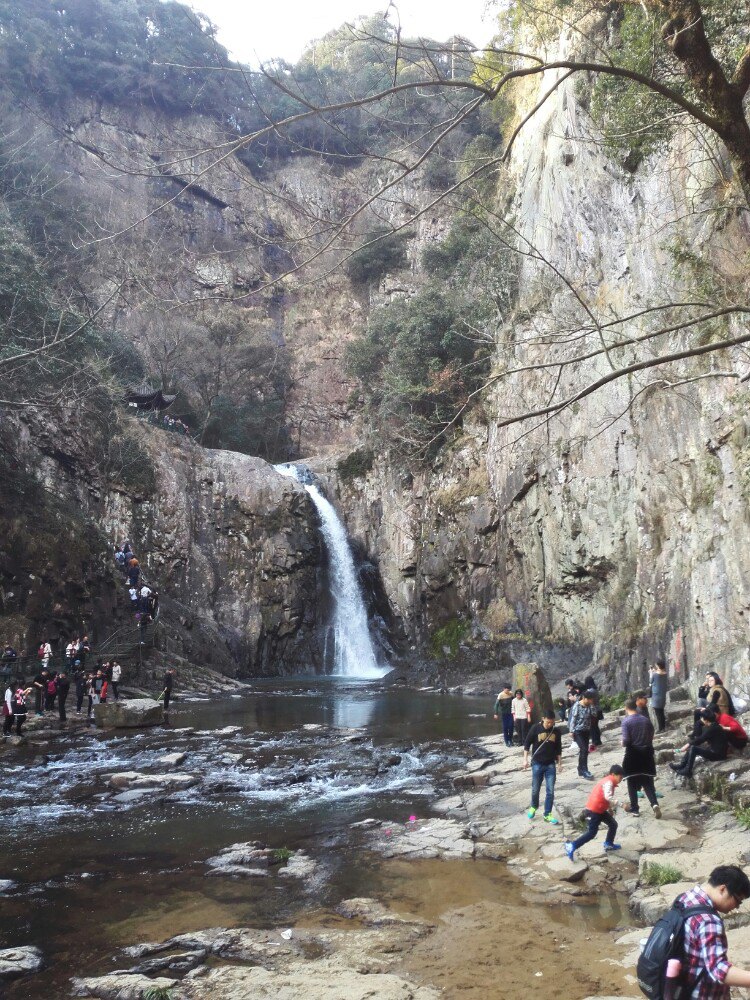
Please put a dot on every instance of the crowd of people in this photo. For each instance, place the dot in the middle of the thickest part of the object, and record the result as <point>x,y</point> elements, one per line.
<point>50,688</point>
<point>689,943</point>
<point>715,733</point>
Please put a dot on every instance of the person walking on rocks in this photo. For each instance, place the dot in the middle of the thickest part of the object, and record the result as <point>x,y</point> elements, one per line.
<point>544,743</point>
<point>599,808</point>
<point>504,709</point>
<point>639,765</point>
<point>579,725</point>
<point>707,971</point>
<point>659,684</point>
<point>521,716</point>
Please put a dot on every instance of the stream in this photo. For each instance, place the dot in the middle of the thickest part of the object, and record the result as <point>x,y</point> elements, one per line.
<point>292,764</point>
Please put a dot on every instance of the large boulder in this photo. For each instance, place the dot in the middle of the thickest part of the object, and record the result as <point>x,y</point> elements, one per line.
<point>134,714</point>
<point>530,678</point>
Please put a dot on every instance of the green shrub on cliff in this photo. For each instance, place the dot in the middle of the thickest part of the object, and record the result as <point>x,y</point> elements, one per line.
<point>446,640</point>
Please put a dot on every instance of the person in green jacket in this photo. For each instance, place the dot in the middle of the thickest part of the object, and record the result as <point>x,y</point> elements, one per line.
<point>504,710</point>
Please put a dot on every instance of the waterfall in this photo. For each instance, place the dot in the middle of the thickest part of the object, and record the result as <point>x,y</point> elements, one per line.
<point>353,652</point>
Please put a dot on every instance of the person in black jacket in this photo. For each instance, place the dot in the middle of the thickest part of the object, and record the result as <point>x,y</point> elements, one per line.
<point>711,744</point>
<point>63,686</point>
<point>544,743</point>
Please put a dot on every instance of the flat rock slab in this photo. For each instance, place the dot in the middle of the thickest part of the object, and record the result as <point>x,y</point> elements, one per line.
<point>19,962</point>
<point>434,838</point>
<point>171,760</point>
<point>121,986</point>
<point>254,860</point>
<point>320,980</point>
<point>137,713</point>
<point>134,780</point>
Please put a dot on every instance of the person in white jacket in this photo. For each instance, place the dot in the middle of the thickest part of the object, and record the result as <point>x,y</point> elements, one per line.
<point>116,675</point>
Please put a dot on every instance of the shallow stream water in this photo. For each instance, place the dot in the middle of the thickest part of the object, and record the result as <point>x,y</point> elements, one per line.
<point>308,759</point>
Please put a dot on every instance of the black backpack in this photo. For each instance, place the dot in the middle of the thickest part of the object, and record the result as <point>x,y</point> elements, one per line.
<point>666,941</point>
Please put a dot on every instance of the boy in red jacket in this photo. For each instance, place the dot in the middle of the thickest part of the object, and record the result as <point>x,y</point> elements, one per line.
<point>599,806</point>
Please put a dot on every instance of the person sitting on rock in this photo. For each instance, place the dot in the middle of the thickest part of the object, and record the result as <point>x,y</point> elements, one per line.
<point>599,808</point>
<point>544,742</point>
<point>711,744</point>
<point>521,716</point>
<point>503,709</point>
<point>736,734</point>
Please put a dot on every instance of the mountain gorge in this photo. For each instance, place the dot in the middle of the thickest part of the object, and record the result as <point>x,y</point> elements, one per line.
<point>307,299</point>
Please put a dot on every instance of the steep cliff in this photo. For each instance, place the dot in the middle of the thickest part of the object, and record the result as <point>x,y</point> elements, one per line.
<point>616,527</point>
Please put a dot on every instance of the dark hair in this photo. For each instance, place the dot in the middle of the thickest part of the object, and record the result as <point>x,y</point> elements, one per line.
<point>505,685</point>
<point>588,694</point>
<point>733,877</point>
<point>712,673</point>
<point>569,681</point>
<point>548,714</point>
<point>631,705</point>
<point>616,769</point>
<point>639,694</point>
<point>590,682</point>
<point>708,714</point>
<point>519,691</point>
<point>661,663</point>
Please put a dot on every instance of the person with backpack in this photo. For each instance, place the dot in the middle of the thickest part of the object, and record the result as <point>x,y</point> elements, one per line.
<point>546,760</point>
<point>712,743</point>
<point>503,709</point>
<point>595,736</point>
<point>599,808</point>
<point>686,952</point>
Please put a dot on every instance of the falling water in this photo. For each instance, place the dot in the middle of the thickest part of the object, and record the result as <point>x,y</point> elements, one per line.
<point>353,653</point>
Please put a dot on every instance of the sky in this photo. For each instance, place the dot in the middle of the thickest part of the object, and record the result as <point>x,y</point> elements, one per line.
<point>282,28</point>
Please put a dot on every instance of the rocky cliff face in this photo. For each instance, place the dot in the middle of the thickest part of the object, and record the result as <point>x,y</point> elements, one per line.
<point>617,527</point>
<point>601,535</point>
<point>232,546</point>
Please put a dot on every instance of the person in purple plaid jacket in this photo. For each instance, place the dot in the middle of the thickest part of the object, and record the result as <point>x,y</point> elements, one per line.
<point>706,968</point>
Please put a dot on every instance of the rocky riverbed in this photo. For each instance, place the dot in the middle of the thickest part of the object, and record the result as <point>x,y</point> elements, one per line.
<point>412,893</point>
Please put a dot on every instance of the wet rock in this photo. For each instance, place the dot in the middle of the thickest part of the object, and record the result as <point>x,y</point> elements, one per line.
<point>135,714</point>
<point>19,962</point>
<point>374,914</point>
<point>134,780</point>
<point>319,980</point>
<point>366,824</point>
<point>434,838</point>
<point>6,884</point>
<point>120,986</point>
<point>300,865</point>
<point>176,962</point>
<point>171,760</point>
